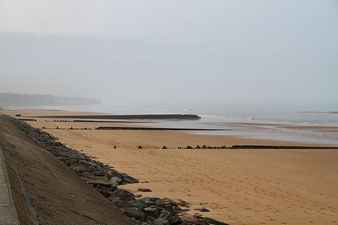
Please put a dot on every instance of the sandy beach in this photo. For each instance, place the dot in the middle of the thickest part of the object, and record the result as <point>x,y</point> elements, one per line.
<point>237,186</point>
<point>169,112</point>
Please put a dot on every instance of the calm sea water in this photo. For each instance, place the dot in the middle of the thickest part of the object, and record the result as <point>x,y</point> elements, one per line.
<point>290,126</point>
<point>314,128</point>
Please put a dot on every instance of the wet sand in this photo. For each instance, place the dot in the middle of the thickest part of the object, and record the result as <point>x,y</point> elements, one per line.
<point>238,186</point>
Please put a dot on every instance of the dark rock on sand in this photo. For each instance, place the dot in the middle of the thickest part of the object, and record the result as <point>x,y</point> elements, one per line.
<point>144,190</point>
<point>203,210</point>
<point>134,213</point>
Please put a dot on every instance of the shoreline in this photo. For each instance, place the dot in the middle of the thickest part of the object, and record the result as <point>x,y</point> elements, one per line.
<point>238,186</point>
<point>128,117</point>
<point>307,133</point>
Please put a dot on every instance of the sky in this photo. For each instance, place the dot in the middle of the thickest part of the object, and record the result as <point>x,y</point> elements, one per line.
<point>179,52</point>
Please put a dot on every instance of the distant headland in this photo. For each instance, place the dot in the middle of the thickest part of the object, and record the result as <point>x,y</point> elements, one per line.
<point>33,100</point>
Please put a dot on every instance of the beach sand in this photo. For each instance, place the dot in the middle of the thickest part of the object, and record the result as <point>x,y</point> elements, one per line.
<point>238,186</point>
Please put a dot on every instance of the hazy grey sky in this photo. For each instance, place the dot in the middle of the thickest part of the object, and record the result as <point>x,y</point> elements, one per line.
<point>175,52</point>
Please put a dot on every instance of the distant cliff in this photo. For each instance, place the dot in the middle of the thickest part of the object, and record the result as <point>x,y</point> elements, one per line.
<point>9,99</point>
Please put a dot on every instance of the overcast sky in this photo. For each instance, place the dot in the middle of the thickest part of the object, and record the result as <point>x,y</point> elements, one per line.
<point>216,52</point>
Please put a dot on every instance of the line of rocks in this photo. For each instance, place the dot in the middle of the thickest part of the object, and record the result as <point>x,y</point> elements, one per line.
<point>141,211</point>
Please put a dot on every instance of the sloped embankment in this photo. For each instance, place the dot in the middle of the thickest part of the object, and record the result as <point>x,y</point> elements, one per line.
<point>45,190</point>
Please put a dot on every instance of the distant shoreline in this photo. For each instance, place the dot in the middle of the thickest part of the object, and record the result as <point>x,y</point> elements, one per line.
<point>329,112</point>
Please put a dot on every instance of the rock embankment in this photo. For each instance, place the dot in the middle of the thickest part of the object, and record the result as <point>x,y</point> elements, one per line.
<point>141,211</point>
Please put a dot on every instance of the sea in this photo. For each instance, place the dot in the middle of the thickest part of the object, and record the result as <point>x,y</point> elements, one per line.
<point>312,127</point>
